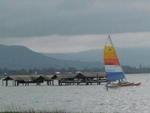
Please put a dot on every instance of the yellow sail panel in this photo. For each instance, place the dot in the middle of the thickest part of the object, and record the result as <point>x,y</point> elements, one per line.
<point>109,52</point>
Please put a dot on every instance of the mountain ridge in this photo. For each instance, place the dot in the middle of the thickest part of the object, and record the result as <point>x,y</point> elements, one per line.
<point>134,56</point>
<point>17,57</point>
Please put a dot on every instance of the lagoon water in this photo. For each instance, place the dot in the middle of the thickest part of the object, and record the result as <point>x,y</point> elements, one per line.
<point>92,98</point>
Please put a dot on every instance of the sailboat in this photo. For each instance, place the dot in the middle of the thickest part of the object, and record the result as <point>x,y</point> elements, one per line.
<point>114,72</point>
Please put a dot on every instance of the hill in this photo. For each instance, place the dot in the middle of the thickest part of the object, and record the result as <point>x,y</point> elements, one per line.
<point>17,57</point>
<point>128,56</point>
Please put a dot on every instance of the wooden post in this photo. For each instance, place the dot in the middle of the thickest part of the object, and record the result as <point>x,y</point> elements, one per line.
<point>6,82</point>
<point>53,82</point>
<point>17,83</point>
<point>47,82</point>
<point>2,82</point>
<point>13,83</point>
<point>97,79</point>
<point>59,82</point>
<point>107,86</point>
<point>87,83</point>
<point>38,83</point>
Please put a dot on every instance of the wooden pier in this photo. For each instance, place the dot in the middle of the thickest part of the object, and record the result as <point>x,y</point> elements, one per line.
<point>62,79</point>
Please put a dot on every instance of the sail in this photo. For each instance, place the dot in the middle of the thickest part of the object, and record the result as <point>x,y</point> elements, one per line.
<point>112,65</point>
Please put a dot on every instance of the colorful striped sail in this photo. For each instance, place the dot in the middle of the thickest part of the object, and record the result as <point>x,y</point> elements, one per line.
<point>113,68</point>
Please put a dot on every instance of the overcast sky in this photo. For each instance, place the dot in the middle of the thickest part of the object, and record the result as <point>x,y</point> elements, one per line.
<point>74,25</point>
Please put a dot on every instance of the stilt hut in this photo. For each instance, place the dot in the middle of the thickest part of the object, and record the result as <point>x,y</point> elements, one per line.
<point>67,79</point>
<point>6,80</point>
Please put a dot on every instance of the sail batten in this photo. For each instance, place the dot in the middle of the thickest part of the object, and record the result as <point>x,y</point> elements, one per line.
<point>112,65</point>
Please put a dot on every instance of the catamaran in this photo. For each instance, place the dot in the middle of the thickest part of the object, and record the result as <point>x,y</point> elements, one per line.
<point>114,72</point>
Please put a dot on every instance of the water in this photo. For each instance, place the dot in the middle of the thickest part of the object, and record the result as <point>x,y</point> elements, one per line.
<point>92,98</point>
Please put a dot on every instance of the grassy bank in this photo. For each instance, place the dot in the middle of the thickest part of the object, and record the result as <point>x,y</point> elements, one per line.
<point>37,112</point>
<point>47,112</point>
<point>42,112</point>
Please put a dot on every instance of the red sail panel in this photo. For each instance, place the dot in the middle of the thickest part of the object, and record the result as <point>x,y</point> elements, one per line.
<point>111,62</point>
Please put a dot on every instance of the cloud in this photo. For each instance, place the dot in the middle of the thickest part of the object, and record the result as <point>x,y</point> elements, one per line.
<point>36,18</point>
<point>76,43</point>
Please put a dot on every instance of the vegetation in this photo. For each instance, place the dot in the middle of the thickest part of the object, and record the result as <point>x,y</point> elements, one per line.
<point>46,112</point>
<point>34,112</point>
<point>18,109</point>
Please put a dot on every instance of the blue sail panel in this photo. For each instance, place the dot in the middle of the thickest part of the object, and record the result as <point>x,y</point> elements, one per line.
<point>113,76</point>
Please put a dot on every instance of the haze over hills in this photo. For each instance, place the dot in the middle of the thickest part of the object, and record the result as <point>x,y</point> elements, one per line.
<point>128,56</point>
<point>17,57</point>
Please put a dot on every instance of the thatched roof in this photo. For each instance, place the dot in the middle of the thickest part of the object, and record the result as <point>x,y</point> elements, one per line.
<point>63,76</point>
<point>80,75</point>
<point>49,77</point>
<point>7,78</point>
<point>22,77</point>
<point>52,77</point>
